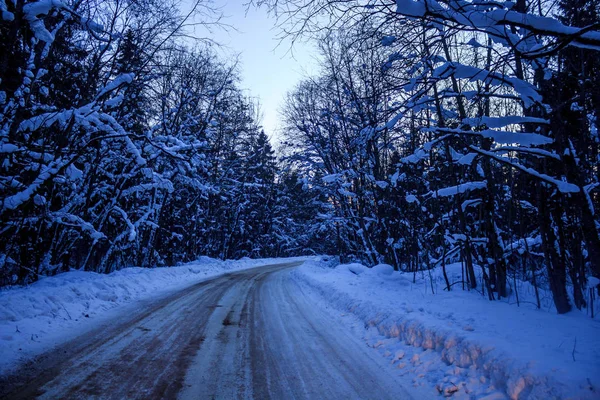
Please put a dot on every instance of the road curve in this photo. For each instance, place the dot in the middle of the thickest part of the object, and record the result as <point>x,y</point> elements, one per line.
<point>252,334</point>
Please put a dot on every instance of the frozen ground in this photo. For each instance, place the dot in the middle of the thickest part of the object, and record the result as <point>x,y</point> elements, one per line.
<point>35,318</point>
<point>460,342</point>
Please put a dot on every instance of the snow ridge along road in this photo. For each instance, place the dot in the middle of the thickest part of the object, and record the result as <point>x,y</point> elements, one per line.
<point>243,335</point>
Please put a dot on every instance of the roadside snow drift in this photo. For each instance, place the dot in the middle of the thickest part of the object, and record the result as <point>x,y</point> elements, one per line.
<point>460,342</point>
<point>53,310</point>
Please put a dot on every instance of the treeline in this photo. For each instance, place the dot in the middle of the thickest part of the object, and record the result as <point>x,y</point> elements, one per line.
<point>123,143</point>
<point>446,131</point>
<point>436,131</point>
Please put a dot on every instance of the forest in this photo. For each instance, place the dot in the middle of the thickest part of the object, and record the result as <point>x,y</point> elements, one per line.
<point>435,131</point>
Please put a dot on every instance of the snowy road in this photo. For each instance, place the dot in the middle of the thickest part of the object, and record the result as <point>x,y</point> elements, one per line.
<point>248,334</point>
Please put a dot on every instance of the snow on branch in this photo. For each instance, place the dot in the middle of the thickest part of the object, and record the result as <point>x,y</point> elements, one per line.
<point>88,118</point>
<point>500,122</point>
<point>120,80</point>
<point>457,189</point>
<point>33,10</point>
<point>528,93</point>
<point>528,150</point>
<point>66,218</point>
<point>496,20</point>
<point>562,186</point>
<point>145,187</point>
<point>132,231</point>
<point>31,13</point>
<point>506,137</point>
<point>4,13</point>
<point>14,201</point>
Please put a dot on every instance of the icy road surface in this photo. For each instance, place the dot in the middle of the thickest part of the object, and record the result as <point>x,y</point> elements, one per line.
<point>249,334</point>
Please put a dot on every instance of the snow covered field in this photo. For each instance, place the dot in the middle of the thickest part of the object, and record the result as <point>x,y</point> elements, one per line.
<point>35,318</point>
<point>460,342</point>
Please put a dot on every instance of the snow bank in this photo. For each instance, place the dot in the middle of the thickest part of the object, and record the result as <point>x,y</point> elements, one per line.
<point>461,343</point>
<point>53,310</point>
<point>355,268</point>
<point>383,269</point>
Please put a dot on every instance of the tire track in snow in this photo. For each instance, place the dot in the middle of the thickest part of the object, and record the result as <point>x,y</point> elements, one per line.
<point>253,334</point>
<point>144,355</point>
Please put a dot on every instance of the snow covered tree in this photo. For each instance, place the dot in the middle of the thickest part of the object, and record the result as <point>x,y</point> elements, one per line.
<point>485,127</point>
<point>114,137</point>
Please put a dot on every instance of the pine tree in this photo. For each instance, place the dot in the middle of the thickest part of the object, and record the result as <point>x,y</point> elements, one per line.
<point>259,193</point>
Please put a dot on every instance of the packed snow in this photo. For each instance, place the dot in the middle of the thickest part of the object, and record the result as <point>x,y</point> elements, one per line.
<point>35,318</point>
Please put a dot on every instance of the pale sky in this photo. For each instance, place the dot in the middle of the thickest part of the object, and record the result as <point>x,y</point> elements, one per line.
<point>268,71</point>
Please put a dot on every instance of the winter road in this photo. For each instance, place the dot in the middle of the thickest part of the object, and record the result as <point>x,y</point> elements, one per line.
<point>249,334</point>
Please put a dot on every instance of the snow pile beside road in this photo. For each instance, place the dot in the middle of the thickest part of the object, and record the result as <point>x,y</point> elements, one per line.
<point>55,309</point>
<point>460,342</point>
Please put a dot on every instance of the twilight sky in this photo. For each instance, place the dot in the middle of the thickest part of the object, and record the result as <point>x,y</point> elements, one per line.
<point>268,71</point>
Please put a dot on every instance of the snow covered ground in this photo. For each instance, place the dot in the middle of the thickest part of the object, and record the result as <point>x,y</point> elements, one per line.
<point>36,318</point>
<point>459,342</point>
